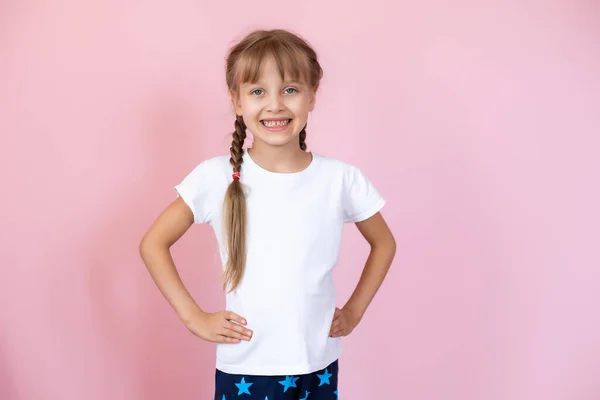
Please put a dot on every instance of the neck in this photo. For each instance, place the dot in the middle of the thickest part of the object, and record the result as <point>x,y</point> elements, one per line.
<point>282,159</point>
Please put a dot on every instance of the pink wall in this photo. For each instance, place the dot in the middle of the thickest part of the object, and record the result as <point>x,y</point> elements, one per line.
<point>480,124</point>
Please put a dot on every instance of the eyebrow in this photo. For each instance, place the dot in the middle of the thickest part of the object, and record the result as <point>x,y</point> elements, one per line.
<point>285,83</point>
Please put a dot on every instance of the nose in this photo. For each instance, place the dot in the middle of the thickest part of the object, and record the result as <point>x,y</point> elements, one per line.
<point>275,103</point>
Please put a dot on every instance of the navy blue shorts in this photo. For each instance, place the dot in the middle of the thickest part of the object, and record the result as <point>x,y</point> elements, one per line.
<point>319,385</point>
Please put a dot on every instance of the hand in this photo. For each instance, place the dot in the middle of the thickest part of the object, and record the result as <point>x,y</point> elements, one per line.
<point>219,327</point>
<point>344,322</point>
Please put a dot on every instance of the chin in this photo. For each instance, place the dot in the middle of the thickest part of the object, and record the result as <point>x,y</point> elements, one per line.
<point>276,141</point>
<point>282,138</point>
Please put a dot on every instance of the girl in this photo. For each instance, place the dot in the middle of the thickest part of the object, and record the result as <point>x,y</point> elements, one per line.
<point>278,213</point>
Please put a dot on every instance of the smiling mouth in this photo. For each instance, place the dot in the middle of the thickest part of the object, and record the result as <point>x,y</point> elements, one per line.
<point>274,123</point>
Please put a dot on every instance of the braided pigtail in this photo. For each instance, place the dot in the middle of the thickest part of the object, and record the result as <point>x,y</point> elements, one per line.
<point>302,137</point>
<point>234,212</point>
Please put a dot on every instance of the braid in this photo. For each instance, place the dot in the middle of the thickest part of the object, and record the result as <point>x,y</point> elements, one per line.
<point>234,212</point>
<point>303,138</point>
<point>237,144</point>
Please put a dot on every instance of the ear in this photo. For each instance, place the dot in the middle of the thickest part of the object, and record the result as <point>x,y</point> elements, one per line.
<point>313,99</point>
<point>237,105</point>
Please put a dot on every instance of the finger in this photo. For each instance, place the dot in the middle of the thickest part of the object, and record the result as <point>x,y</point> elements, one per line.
<point>231,316</point>
<point>237,328</point>
<point>338,333</point>
<point>233,334</point>
<point>336,315</point>
<point>226,339</point>
<point>336,325</point>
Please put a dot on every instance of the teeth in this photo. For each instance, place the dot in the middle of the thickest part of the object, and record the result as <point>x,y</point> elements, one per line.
<point>275,123</point>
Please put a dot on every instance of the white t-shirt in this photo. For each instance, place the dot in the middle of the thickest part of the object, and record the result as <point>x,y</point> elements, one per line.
<point>294,230</point>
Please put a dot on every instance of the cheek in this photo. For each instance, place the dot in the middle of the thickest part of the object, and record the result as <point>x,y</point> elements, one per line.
<point>251,109</point>
<point>298,105</point>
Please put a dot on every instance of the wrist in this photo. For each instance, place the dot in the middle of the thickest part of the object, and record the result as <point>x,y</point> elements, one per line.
<point>355,312</point>
<point>190,313</point>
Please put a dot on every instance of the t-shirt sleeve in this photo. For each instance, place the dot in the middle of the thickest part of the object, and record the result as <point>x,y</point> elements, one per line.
<point>194,189</point>
<point>361,200</point>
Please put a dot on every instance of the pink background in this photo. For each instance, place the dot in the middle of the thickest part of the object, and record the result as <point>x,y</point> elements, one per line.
<point>478,122</point>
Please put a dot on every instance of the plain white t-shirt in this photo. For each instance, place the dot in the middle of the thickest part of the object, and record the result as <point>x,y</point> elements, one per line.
<point>294,230</point>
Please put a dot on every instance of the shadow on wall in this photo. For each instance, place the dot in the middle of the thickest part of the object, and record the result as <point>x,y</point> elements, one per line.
<point>155,356</point>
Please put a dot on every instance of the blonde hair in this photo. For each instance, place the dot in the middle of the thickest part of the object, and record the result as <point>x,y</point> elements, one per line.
<point>293,56</point>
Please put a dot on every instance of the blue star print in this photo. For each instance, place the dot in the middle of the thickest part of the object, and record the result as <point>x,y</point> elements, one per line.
<point>243,387</point>
<point>306,397</point>
<point>336,393</point>
<point>289,382</point>
<point>324,377</point>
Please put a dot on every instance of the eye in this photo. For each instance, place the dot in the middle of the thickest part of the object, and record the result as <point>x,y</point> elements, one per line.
<point>294,89</point>
<point>256,90</point>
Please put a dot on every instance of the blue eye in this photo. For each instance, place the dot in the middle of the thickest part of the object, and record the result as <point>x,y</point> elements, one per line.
<point>291,89</point>
<point>255,90</point>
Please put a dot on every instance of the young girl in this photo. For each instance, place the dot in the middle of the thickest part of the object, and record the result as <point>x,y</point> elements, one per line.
<point>278,213</point>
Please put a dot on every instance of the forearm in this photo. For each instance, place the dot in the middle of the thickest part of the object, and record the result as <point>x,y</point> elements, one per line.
<point>376,267</point>
<point>160,265</point>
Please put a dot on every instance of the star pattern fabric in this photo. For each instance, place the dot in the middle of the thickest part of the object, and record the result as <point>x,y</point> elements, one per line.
<point>318,385</point>
<point>324,378</point>
<point>289,382</point>
<point>243,387</point>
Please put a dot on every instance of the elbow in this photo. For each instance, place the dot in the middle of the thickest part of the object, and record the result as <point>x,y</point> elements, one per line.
<point>146,247</point>
<point>150,245</point>
<point>387,245</point>
<point>392,246</point>
<point>143,247</point>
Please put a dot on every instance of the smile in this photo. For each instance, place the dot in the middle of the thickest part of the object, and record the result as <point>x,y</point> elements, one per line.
<point>275,123</point>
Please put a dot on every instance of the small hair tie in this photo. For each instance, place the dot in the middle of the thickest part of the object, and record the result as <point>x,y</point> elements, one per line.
<point>236,175</point>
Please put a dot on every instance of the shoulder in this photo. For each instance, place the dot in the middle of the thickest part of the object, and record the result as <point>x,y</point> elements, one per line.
<point>360,197</point>
<point>339,167</point>
<point>333,162</point>
<point>209,170</point>
<point>213,164</point>
<point>352,176</point>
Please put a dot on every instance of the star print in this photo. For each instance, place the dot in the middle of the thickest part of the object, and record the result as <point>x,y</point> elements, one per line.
<point>243,387</point>
<point>289,382</point>
<point>306,397</point>
<point>336,393</point>
<point>223,398</point>
<point>324,377</point>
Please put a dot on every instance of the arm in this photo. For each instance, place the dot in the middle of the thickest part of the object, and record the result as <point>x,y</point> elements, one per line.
<point>383,249</point>
<point>155,252</point>
<point>220,327</point>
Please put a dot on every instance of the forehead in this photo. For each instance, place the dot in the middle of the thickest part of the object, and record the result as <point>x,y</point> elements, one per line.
<point>270,68</point>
